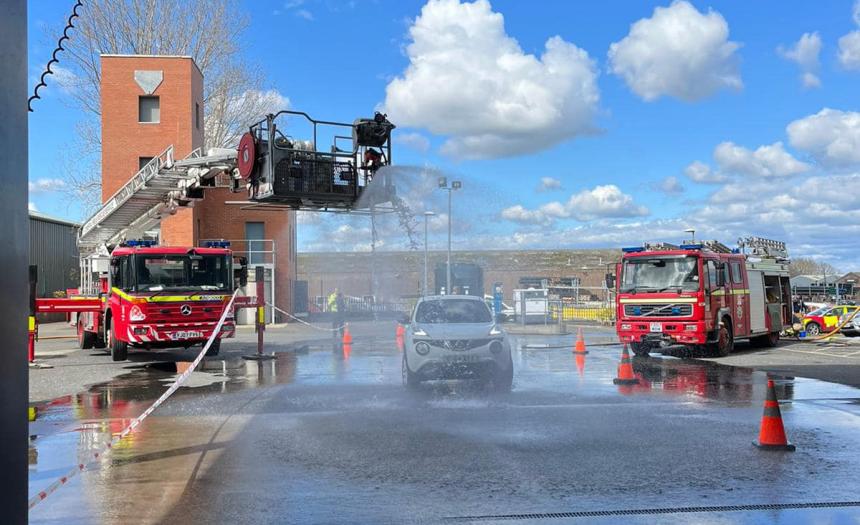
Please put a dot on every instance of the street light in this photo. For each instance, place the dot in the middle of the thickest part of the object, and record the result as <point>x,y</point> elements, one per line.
<point>427,215</point>
<point>443,185</point>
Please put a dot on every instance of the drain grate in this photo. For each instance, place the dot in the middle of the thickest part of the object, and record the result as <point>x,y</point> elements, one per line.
<point>645,512</point>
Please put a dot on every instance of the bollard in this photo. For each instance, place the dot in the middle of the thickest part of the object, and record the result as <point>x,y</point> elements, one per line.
<point>260,318</point>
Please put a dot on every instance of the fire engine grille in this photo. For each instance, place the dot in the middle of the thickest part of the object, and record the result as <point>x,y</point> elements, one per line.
<point>658,310</point>
<point>459,345</point>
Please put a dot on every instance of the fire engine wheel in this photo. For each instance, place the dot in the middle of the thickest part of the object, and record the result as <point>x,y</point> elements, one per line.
<point>86,340</point>
<point>813,329</point>
<point>725,340</point>
<point>770,340</point>
<point>118,349</point>
<point>214,348</point>
<point>640,349</point>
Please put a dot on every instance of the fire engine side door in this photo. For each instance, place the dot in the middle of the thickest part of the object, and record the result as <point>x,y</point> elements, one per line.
<point>740,299</point>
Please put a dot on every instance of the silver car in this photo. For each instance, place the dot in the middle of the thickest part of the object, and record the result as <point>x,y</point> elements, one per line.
<point>455,337</point>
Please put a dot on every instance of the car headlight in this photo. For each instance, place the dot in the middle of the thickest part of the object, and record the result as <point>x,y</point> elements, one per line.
<point>419,332</point>
<point>625,326</point>
<point>495,330</point>
<point>422,348</point>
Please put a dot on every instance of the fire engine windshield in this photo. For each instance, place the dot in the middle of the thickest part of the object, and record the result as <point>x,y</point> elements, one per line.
<point>181,272</point>
<point>646,274</point>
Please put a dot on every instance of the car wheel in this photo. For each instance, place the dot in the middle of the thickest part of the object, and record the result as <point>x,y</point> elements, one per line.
<point>813,329</point>
<point>86,340</point>
<point>214,348</point>
<point>410,378</point>
<point>503,379</point>
<point>640,349</point>
<point>118,349</point>
<point>725,340</point>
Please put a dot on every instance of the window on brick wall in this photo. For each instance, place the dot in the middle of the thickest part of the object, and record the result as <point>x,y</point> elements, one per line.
<point>143,161</point>
<point>149,109</point>
<point>197,116</point>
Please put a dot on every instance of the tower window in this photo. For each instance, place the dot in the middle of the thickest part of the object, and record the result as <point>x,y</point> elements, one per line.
<point>149,110</point>
<point>197,114</point>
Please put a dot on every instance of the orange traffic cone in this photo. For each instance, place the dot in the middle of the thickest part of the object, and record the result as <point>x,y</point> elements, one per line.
<point>580,344</point>
<point>579,359</point>
<point>772,433</point>
<point>347,337</point>
<point>625,370</point>
<point>398,336</point>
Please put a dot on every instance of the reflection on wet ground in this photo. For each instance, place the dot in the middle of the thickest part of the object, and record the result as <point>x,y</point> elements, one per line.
<point>328,423</point>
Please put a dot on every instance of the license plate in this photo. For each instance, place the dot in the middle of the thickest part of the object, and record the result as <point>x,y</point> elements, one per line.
<point>461,359</point>
<point>186,334</point>
<point>656,327</point>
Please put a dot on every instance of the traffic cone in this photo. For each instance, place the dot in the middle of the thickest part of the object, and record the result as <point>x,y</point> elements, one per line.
<point>625,370</point>
<point>580,344</point>
<point>772,433</point>
<point>347,337</point>
<point>398,336</point>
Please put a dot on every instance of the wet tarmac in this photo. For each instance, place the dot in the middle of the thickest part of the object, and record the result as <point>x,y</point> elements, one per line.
<point>327,436</point>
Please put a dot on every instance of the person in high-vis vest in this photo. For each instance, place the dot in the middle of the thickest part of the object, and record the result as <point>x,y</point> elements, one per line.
<point>336,307</point>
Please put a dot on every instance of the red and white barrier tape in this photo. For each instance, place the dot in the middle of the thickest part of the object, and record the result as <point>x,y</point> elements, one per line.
<point>50,489</point>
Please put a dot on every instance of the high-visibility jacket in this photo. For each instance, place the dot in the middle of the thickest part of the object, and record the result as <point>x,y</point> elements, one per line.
<point>332,302</point>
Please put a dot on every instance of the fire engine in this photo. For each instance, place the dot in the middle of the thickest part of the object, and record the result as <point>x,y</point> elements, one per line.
<point>703,295</point>
<point>162,296</point>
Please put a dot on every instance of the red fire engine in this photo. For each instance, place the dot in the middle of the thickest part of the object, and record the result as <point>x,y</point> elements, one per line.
<point>156,297</point>
<point>703,294</point>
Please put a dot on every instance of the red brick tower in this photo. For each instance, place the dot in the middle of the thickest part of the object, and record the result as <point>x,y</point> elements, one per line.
<point>151,102</point>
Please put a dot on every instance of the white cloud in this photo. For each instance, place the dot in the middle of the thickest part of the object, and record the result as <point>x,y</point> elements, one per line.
<point>849,50</point>
<point>601,202</point>
<point>304,13</point>
<point>766,161</point>
<point>805,53</point>
<point>703,174</point>
<point>831,136</point>
<point>32,206</point>
<point>413,140</point>
<point>549,184</point>
<point>670,185</point>
<point>467,79</point>
<point>678,52</point>
<point>66,78</point>
<point>46,185</point>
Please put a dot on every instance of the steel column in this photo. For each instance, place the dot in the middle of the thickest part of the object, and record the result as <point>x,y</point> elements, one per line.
<point>14,230</point>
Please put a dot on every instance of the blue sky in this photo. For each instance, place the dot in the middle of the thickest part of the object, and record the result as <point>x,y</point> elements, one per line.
<point>504,94</point>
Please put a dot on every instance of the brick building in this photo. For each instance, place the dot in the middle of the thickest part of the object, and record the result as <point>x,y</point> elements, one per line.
<point>151,102</point>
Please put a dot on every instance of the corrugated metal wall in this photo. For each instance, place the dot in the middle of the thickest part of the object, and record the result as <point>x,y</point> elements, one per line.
<point>53,248</point>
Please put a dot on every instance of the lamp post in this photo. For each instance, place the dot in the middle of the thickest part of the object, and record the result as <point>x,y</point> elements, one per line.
<point>427,215</point>
<point>455,185</point>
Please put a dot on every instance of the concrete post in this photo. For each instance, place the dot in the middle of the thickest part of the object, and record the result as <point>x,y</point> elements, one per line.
<point>14,231</point>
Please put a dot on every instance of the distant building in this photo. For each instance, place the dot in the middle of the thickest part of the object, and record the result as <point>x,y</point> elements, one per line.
<point>54,251</point>
<point>824,287</point>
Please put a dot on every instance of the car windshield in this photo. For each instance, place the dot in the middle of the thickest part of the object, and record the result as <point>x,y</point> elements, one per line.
<point>181,272</point>
<point>819,311</point>
<point>660,274</point>
<point>453,311</point>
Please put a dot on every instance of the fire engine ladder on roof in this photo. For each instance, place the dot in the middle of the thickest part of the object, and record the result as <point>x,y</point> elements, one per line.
<point>158,189</point>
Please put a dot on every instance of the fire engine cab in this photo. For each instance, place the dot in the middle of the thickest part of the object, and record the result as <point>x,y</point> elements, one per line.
<point>157,297</point>
<point>703,295</point>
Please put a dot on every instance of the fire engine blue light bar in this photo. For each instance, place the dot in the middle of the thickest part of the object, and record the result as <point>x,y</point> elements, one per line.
<point>633,249</point>
<point>217,244</point>
<point>691,246</point>
<point>139,243</point>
